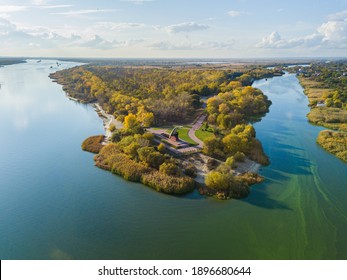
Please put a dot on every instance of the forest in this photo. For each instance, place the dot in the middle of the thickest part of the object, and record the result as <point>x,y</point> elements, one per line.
<point>141,97</point>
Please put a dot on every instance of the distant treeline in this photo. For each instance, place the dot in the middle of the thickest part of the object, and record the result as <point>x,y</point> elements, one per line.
<point>10,61</point>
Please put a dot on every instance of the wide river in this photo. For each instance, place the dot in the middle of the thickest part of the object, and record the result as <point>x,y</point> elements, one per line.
<point>54,204</point>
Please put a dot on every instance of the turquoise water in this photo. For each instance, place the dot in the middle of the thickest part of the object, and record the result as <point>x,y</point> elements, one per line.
<point>54,204</point>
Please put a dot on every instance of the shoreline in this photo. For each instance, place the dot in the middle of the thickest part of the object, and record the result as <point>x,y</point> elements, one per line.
<point>331,138</point>
<point>107,120</point>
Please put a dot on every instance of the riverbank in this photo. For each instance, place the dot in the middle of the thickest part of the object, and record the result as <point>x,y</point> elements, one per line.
<point>332,118</point>
<point>108,121</point>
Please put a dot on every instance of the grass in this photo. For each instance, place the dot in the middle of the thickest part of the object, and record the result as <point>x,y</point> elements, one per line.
<point>183,134</point>
<point>314,90</point>
<point>334,142</point>
<point>204,134</point>
<point>333,118</point>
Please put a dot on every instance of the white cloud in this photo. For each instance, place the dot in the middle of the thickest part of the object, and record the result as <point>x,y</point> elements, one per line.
<point>54,6</point>
<point>334,31</point>
<point>99,43</point>
<point>270,41</point>
<point>12,8</point>
<point>84,12</point>
<point>39,2</point>
<point>6,27</point>
<point>119,26</point>
<point>275,41</point>
<point>166,45</point>
<point>186,27</point>
<point>340,16</point>
<point>138,2</point>
<point>330,35</point>
<point>12,37</point>
<point>234,13</point>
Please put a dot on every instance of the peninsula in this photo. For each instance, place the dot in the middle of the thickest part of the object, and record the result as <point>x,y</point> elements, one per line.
<point>183,127</point>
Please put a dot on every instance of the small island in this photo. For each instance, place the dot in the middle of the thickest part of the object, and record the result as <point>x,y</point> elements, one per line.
<point>176,128</point>
<point>325,84</point>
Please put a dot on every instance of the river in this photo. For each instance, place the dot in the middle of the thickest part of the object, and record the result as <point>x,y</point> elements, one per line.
<point>54,204</point>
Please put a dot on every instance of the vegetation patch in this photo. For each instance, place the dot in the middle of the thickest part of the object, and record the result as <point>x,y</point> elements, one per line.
<point>168,183</point>
<point>203,133</point>
<point>334,118</point>
<point>334,142</point>
<point>93,144</point>
<point>150,169</point>
<point>226,185</point>
<point>326,87</point>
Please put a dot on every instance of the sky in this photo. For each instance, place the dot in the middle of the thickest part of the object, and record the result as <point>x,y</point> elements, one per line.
<point>174,29</point>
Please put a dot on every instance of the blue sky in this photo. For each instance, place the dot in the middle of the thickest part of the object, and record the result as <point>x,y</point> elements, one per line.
<point>172,29</point>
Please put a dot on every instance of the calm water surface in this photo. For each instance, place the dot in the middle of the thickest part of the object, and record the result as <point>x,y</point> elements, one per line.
<point>54,204</point>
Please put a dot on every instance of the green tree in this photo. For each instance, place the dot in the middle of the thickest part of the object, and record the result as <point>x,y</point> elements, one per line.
<point>219,181</point>
<point>130,122</point>
<point>169,168</point>
<point>162,148</point>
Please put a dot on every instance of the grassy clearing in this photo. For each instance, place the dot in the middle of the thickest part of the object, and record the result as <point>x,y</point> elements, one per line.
<point>204,134</point>
<point>183,134</point>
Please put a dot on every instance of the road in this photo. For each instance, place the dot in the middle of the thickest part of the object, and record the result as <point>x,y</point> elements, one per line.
<point>196,126</point>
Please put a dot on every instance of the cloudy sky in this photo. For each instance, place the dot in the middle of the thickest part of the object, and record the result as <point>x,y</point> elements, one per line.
<point>173,28</point>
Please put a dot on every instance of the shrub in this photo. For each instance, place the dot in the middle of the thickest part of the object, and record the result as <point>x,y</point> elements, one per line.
<point>190,170</point>
<point>334,142</point>
<point>251,178</point>
<point>231,162</point>
<point>169,168</point>
<point>167,183</point>
<point>226,185</point>
<point>150,157</point>
<point>116,136</point>
<point>111,158</point>
<point>161,148</point>
<point>127,168</point>
<point>239,157</point>
<point>257,153</point>
<point>93,144</point>
<point>112,127</point>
